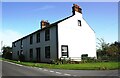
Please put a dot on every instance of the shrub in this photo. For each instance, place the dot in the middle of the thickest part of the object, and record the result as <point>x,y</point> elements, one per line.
<point>61,61</point>
<point>21,57</point>
<point>89,60</point>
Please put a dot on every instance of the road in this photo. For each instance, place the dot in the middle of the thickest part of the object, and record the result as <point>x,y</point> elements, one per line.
<point>11,69</point>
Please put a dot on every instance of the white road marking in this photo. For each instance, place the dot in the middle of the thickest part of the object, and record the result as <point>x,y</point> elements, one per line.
<point>40,68</point>
<point>13,63</point>
<point>74,75</point>
<point>19,65</point>
<point>58,72</point>
<point>9,62</point>
<point>45,70</point>
<point>51,71</point>
<point>67,74</point>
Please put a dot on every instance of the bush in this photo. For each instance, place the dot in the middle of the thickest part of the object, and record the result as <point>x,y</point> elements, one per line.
<point>8,55</point>
<point>21,57</point>
<point>56,61</point>
<point>61,61</point>
<point>89,60</point>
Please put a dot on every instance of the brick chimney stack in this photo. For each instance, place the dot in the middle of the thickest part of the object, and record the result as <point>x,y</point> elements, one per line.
<point>76,8</point>
<point>44,24</point>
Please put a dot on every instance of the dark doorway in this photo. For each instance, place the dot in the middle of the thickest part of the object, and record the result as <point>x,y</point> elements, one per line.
<point>38,54</point>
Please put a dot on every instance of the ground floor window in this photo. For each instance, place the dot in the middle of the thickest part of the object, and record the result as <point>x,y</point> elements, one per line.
<point>64,49</point>
<point>84,56</point>
<point>21,52</point>
<point>18,53</point>
<point>47,52</point>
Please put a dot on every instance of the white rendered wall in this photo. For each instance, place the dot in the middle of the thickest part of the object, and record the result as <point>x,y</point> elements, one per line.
<point>80,39</point>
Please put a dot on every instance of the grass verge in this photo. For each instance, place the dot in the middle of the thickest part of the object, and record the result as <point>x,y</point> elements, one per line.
<point>82,66</point>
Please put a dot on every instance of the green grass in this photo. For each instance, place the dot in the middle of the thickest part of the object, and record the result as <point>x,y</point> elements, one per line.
<point>82,66</point>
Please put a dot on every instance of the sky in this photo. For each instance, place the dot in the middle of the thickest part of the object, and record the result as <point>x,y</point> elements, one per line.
<point>22,18</point>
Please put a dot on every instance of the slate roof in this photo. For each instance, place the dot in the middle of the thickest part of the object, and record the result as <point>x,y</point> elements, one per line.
<point>51,25</point>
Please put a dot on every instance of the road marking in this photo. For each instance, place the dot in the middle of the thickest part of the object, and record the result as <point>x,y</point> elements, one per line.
<point>40,68</point>
<point>67,74</point>
<point>74,75</point>
<point>9,62</point>
<point>51,71</point>
<point>45,70</point>
<point>19,65</point>
<point>58,72</point>
<point>13,63</point>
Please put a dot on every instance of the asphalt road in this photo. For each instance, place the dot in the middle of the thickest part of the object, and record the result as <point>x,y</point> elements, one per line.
<point>11,69</point>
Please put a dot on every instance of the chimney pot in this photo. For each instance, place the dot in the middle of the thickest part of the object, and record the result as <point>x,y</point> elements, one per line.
<point>76,8</point>
<point>44,24</point>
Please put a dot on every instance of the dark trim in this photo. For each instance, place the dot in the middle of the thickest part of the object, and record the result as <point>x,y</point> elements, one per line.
<point>57,43</point>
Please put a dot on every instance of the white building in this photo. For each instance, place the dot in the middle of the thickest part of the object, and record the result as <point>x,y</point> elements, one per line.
<point>71,37</point>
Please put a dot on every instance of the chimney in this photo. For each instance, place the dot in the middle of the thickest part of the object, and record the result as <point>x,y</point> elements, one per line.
<point>76,8</point>
<point>44,24</point>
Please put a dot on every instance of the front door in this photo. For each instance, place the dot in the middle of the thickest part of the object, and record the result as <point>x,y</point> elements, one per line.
<point>38,58</point>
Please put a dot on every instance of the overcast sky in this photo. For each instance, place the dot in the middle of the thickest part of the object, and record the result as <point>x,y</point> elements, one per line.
<point>22,18</point>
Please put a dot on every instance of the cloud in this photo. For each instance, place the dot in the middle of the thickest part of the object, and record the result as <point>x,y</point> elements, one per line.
<point>8,36</point>
<point>46,7</point>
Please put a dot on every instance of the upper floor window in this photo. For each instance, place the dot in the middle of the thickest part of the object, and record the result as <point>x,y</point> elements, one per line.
<point>21,44</point>
<point>47,35</point>
<point>79,23</point>
<point>14,44</point>
<point>47,52</point>
<point>31,39</point>
<point>38,37</point>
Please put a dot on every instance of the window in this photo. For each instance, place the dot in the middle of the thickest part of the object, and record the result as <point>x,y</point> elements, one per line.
<point>14,44</point>
<point>79,22</point>
<point>84,56</point>
<point>47,52</point>
<point>64,49</point>
<point>31,53</point>
<point>18,53</point>
<point>31,39</point>
<point>47,35</point>
<point>21,52</point>
<point>38,37</point>
<point>21,44</point>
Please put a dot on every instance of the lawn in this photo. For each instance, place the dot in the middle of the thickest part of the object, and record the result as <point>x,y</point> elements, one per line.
<point>81,66</point>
